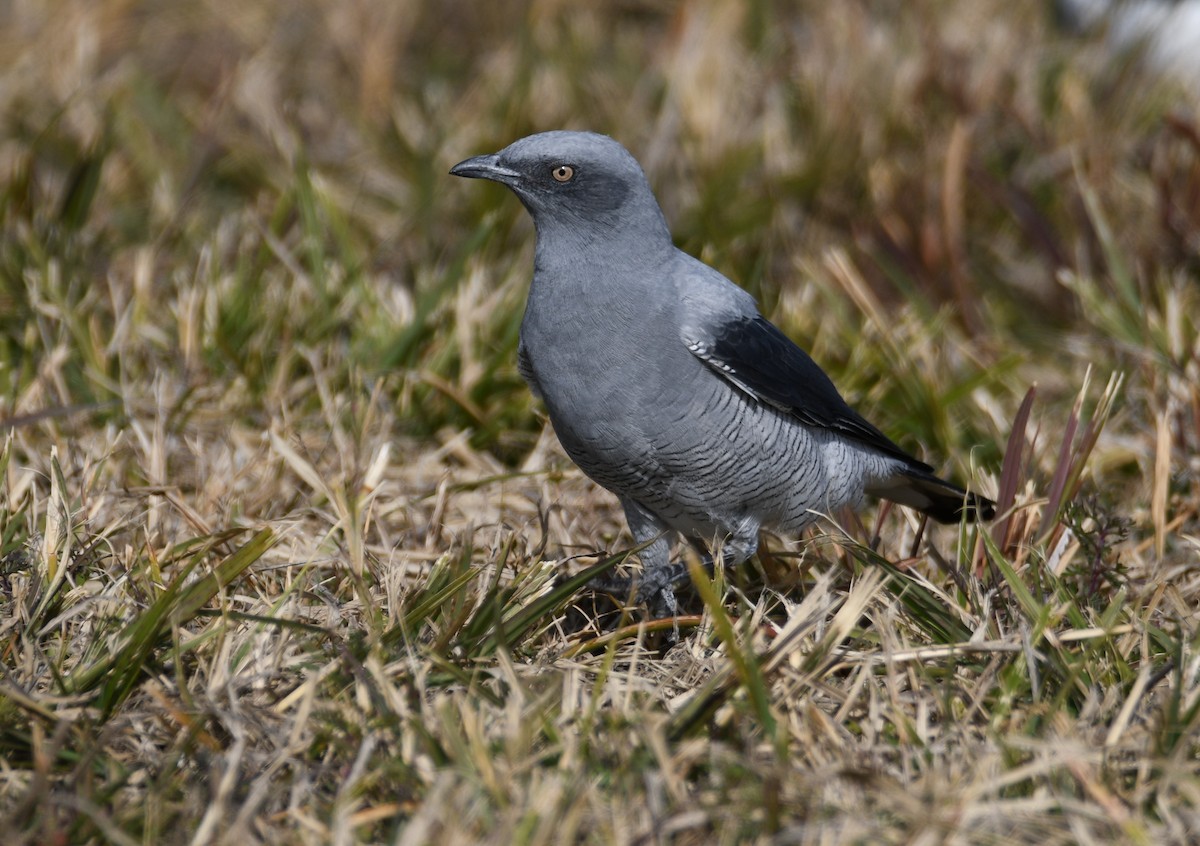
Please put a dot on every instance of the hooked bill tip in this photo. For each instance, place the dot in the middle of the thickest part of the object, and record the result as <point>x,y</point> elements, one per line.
<point>483,167</point>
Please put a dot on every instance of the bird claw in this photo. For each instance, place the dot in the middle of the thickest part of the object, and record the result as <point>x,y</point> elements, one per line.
<point>655,590</point>
<point>663,604</point>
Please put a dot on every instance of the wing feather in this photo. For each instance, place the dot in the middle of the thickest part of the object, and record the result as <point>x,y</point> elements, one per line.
<point>754,355</point>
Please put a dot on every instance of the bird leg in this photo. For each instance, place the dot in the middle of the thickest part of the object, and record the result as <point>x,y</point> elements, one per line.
<point>655,586</point>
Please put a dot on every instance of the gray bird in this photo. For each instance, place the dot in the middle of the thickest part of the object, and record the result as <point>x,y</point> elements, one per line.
<point>666,385</point>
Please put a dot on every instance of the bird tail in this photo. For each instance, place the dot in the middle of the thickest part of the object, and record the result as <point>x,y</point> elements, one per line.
<point>941,500</point>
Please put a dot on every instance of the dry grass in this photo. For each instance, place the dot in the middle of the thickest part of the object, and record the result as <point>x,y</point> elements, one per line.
<point>283,538</point>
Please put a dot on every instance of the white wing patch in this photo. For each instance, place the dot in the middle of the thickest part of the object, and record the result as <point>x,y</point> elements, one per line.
<point>703,352</point>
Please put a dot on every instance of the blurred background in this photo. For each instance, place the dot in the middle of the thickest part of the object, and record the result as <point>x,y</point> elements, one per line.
<point>971,158</point>
<point>967,156</point>
<point>239,292</point>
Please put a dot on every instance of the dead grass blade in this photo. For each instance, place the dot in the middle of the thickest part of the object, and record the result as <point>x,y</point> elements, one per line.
<point>120,666</point>
<point>1012,472</point>
<point>746,663</point>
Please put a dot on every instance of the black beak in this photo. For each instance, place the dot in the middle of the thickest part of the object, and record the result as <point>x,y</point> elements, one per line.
<point>484,167</point>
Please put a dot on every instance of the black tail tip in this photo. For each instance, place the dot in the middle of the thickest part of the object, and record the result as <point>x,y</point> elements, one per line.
<point>973,508</point>
<point>979,508</point>
<point>943,501</point>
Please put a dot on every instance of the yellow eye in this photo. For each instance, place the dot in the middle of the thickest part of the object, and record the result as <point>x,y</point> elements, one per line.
<point>563,173</point>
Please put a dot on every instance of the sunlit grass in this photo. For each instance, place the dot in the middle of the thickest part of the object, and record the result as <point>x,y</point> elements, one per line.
<point>288,553</point>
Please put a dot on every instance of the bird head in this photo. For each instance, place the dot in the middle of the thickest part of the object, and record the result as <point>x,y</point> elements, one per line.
<point>576,180</point>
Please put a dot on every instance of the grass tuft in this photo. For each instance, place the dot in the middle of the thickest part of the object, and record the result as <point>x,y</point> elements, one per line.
<point>289,554</point>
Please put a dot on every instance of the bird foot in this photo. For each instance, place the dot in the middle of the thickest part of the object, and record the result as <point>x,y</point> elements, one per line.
<point>655,589</point>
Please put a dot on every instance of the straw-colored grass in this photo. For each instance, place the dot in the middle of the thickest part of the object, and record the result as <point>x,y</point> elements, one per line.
<point>289,555</point>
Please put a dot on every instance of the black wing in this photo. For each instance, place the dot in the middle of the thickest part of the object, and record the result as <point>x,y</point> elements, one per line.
<point>756,356</point>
